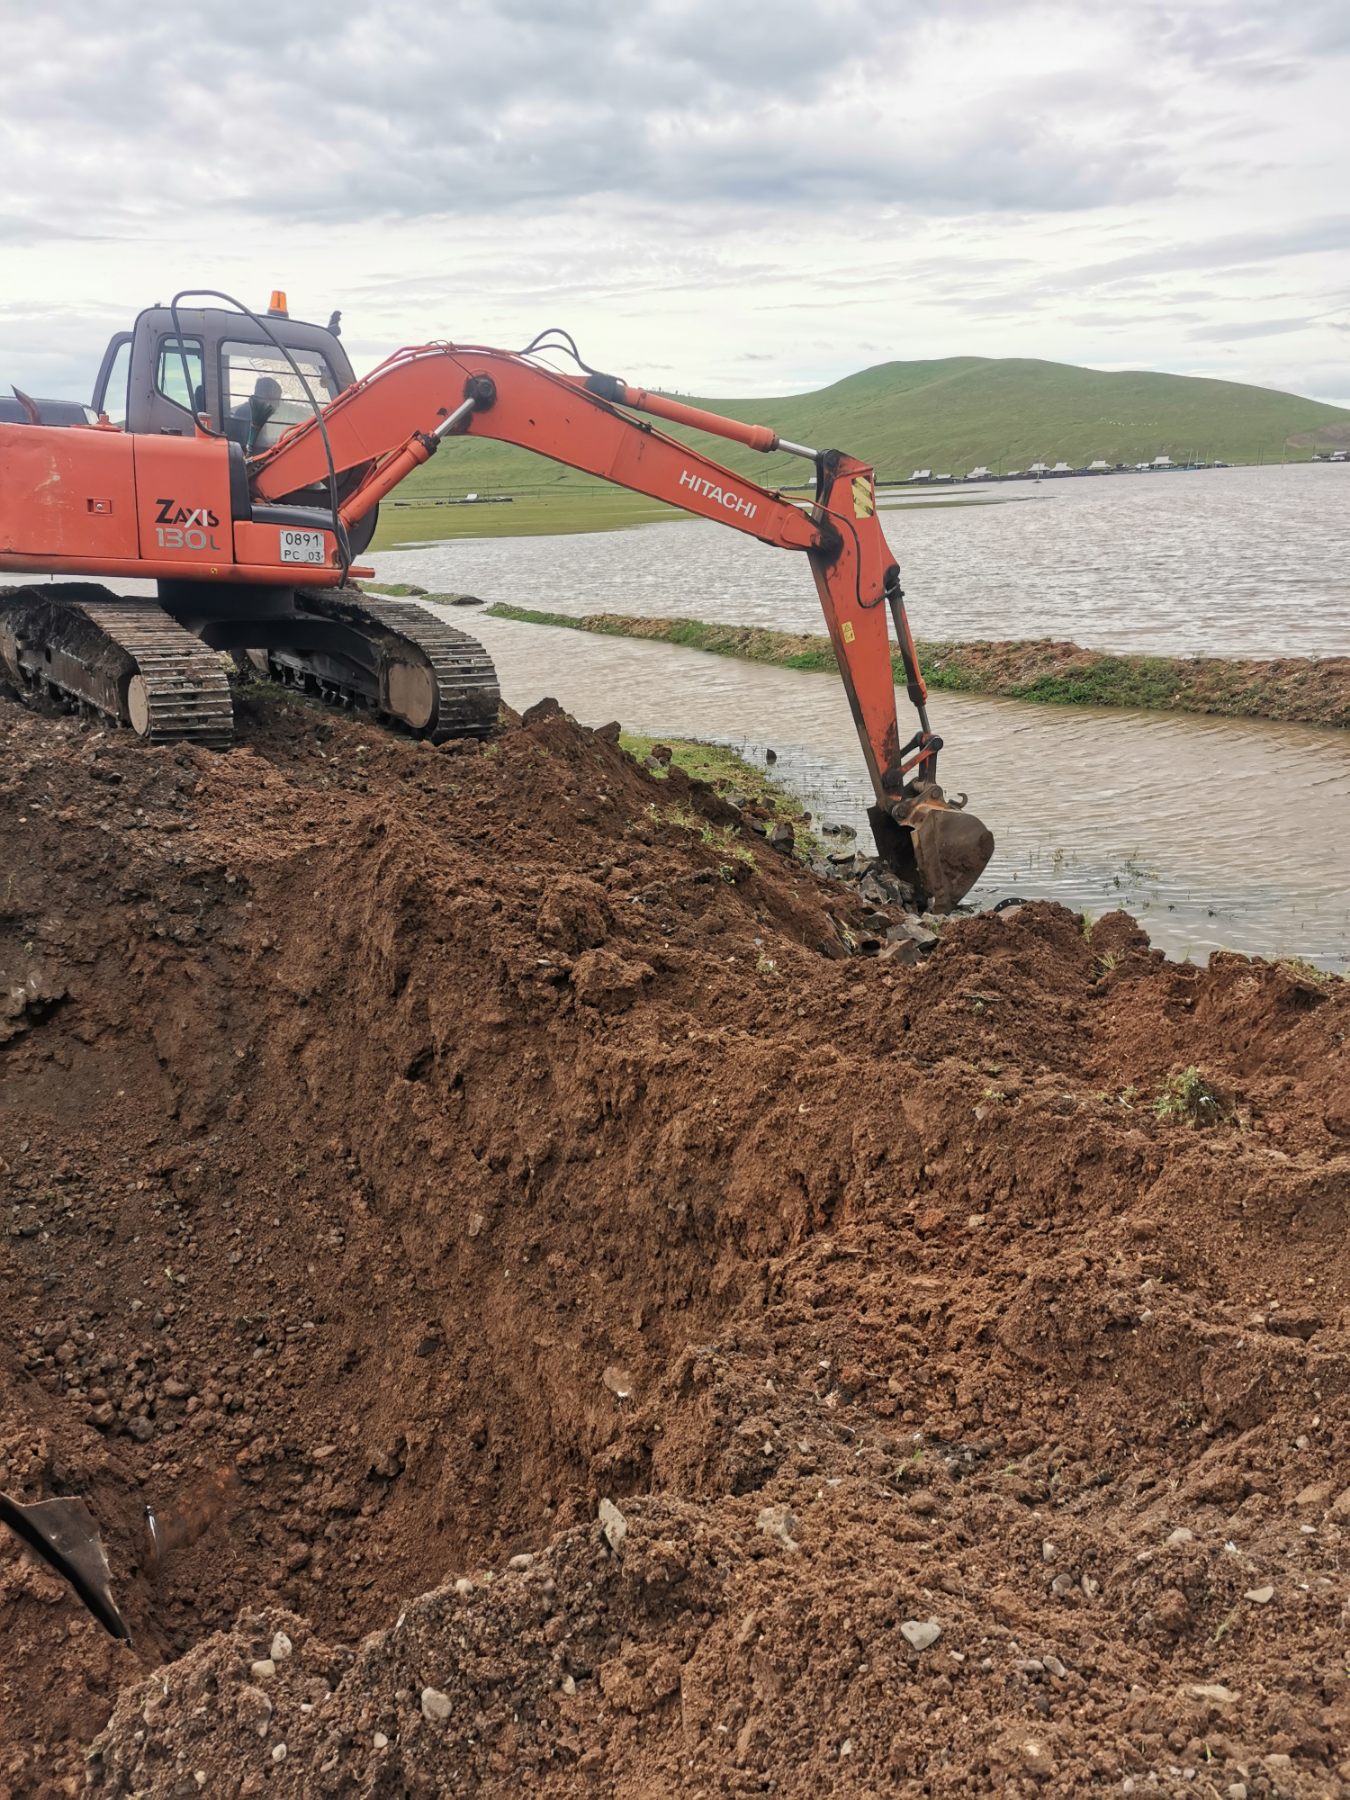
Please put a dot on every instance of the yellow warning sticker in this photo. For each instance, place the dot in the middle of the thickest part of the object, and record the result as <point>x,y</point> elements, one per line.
<point>864,500</point>
<point>848,632</point>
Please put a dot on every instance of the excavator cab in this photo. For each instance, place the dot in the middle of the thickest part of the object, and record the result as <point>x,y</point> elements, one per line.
<point>220,372</point>
<point>161,377</point>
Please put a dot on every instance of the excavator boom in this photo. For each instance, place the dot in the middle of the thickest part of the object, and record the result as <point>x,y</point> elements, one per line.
<point>244,526</point>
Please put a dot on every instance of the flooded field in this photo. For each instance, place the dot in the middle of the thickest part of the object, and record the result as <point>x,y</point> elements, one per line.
<point>1217,833</point>
<point>1229,562</point>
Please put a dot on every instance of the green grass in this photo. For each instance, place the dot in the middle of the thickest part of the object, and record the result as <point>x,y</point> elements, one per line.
<point>1311,691</point>
<point>947,415</point>
<point>580,504</point>
<point>728,773</point>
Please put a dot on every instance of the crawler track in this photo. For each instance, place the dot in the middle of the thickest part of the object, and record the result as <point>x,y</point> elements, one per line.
<point>394,657</point>
<point>125,659</point>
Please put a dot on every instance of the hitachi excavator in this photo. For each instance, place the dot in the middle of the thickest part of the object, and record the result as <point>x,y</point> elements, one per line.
<point>237,462</point>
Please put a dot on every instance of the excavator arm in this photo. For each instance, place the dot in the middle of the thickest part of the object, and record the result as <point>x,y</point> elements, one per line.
<point>389,423</point>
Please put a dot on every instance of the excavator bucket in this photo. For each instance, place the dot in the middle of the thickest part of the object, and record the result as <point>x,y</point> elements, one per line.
<point>938,848</point>
<point>63,1533</point>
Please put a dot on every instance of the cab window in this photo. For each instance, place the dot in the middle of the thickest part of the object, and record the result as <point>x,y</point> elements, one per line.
<point>115,389</point>
<point>169,373</point>
<point>263,398</point>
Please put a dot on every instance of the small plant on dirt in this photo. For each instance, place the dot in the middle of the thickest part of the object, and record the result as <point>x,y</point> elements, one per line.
<point>1087,924</point>
<point>1108,960</point>
<point>1308,971</point>
<point>1187,1098</point>
<point>765,965</point>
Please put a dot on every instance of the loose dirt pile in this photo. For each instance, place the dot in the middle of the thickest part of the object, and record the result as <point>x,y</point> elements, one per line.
<point>582,1329</point>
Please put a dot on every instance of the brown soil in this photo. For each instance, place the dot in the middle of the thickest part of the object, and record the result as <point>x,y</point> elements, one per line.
<point>405,1152</point>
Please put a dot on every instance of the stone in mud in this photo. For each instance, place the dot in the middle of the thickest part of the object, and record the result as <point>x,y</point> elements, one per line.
<point>435,1704</point>
<point>920,1634</point>
<point>613,1524</point>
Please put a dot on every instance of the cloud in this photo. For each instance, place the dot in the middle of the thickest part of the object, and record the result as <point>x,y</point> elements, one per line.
<point>687,182</point>
<point>302,111</point>
<point>1258,328</point>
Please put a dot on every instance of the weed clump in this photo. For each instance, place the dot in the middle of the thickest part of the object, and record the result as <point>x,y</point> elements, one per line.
<point>1187,1098</point>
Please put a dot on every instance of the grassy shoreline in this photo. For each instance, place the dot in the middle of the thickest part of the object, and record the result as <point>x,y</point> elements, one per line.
<point>1291,690</point>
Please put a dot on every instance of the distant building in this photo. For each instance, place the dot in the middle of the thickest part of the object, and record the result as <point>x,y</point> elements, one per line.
<point>1037,469</point>
<point>1098,466</point>
<point>1061,468</point>
<point>980,474</point>
<point>922,475</point>
<point>1161,462</point>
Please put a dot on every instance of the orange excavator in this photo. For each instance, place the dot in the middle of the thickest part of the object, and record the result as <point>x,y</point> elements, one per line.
<point>236,461</point>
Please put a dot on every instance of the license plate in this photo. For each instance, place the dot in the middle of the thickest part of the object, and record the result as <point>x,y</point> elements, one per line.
<point>302,546</point>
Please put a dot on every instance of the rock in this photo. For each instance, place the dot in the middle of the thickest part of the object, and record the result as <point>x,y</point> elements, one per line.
<point>923,1501</point>
<point>778,1522</point>
<point>281,1647</point>
<point>435,1704</point>
<point>1262,1596</point>
<point>661,753</point>
<point>278,1753</point>
<point>780,836</point>
<point>525,1560</point>
<point>380,1741</point>
<point>1340,1506</point>
<point>613,1524</point>
<point>262,1670</point>
<point>1212,1690</point>
<point>618,1381</point>
<point>610,733</point>
<point>920,1634</point>
<point>1062,1585</point>
<point>1049,1551</point>
<point>141,1428</point>
<point>1180,1536</point>
<point>1037,1759</point>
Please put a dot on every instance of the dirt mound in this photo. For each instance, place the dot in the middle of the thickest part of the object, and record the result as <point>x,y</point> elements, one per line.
<point>578,1324</point>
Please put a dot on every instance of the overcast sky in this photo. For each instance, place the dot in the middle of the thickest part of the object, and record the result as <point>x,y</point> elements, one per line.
<point>714,195</point>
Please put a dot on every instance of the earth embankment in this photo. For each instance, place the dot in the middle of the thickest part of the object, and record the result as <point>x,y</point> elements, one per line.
<point>582,1325</point>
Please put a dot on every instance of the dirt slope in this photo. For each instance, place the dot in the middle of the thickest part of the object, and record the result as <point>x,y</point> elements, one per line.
<point>406,1151</point>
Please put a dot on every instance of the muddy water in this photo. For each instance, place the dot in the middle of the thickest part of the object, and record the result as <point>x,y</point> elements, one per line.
<point>1216,834</point>
<point>1236,562</point>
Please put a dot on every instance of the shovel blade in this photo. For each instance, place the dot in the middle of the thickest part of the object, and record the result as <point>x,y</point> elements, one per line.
<point>63,1533</point>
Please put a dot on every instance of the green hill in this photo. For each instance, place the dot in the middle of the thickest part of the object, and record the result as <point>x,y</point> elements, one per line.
<point>950,415</point>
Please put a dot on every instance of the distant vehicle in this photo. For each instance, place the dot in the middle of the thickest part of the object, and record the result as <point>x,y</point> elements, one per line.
<point>14,411</point>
